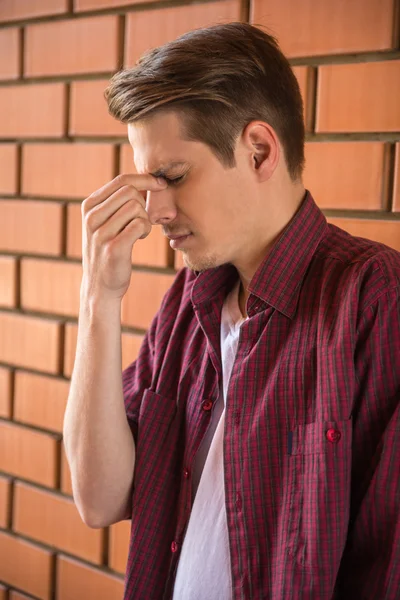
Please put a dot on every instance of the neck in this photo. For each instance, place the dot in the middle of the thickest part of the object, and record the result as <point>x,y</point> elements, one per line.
<point>249,262</point>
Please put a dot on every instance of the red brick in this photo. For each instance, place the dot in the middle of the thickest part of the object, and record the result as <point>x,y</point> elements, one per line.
<point>40,400</point>
<point>148,29</point>
<point>18,596</point>
<point>70,47</point>
<point>66,170</point>
<point>76,580</point>
<point>144,297</point>
<point>10,52</point>
<point>31,226</point>
<point>396,188</point>
<point>305,78</point>
<point>36,579</point>
<point>385,232</point>
<point>8,278</point>
<point>30,342</point>
<point>5,500</point>
<point>5,392</point>
<point>119,546</point>
<point>16,120</point>
<point>89,111</point>
<point>346,174</point>
<point>313,27</point>
<point>51,519</point>
<point>98,4</point>
<point>66,484</point>
<point>25,9</point>
<point>28,454</point>
<point>8,168</point>
<point>50,286</point>
<point>359,97</point>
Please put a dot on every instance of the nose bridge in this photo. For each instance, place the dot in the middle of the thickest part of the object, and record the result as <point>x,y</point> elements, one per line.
<point>160,206</point>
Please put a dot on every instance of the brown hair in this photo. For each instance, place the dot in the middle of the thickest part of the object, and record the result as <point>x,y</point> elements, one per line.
<point>218,79</point>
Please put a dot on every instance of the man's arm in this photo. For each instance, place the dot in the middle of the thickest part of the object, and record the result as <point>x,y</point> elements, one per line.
<point>370,567</point>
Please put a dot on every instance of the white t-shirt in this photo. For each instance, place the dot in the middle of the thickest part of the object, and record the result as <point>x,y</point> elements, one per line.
<point>204,570</point>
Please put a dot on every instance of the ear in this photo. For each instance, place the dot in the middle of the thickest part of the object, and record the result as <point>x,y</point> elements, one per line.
<point>263,147</point>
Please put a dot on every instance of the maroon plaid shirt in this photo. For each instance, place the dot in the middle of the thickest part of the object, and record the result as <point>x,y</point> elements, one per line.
<point>311,445</point>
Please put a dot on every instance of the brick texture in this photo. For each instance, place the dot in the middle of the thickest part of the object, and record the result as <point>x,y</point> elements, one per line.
<point>31,227</point>
<point>51,519</point>
<point>50,286</point>
<point>24,9</point>
<point>5,393</point>
<point>359,97</point>
<point>96,121</point>
<point>10,52</point>
<point>30,342</point>
<point>28,454</point>
<point>40,401</point>
<point>72,47</point>
<point>75,580</point>
<point>35,577</point>
<point>346,174</point>
<point>66,170</point>
<point>313,27</point>
<point>148,29</point>
<point>8,278</point>
<point>8,168</point>
<point>5,500</point>
<point>119,545</point>
<point>58,144</point>
<point>17,121</point>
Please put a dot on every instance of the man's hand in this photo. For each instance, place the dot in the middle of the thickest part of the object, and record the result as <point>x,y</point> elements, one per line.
<point>113,219</point>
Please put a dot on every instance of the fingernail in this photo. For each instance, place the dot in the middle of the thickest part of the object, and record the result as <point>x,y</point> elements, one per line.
<point>161,181</point>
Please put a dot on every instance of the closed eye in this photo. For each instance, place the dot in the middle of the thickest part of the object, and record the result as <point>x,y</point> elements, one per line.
<point>174,181</point>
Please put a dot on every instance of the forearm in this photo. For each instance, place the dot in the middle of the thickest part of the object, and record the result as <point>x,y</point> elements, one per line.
<point>98,441</point>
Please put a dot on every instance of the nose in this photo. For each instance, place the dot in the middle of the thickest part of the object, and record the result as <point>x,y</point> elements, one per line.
<point>160,207</point>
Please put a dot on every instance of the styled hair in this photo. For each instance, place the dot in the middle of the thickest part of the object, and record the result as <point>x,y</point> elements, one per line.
<point>217,79</point>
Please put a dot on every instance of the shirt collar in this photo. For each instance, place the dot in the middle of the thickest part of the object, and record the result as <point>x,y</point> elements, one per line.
<point>277,281</point>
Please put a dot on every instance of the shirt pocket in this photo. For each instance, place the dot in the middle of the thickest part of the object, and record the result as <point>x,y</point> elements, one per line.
<point>319,493</point>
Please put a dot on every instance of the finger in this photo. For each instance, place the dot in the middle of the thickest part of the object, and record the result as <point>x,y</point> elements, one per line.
<point>103,212</point>
<point>139,182</point>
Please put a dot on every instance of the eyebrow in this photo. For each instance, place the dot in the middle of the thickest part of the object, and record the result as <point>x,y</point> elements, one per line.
<point>161,172</point>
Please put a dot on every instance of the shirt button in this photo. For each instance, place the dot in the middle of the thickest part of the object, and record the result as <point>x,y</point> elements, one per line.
<point>333,435</point>
<point>174,547</point>
<point>186,473</point>
<point>207,405</point>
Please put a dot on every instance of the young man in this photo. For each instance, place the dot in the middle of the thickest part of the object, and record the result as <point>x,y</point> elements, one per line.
<point>254,442</point>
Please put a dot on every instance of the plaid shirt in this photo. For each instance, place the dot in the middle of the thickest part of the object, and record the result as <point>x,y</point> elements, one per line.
<point>311,444</point>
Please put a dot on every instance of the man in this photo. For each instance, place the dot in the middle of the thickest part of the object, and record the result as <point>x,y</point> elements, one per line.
<point>254,441</point>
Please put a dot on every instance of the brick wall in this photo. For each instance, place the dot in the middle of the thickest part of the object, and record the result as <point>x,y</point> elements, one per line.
<point>58,144</point>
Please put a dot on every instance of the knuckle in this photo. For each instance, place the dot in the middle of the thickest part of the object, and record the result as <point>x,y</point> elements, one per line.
<point>121,179</point>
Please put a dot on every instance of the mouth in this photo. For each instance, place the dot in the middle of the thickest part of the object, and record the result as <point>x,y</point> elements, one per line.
<point>176,241</point>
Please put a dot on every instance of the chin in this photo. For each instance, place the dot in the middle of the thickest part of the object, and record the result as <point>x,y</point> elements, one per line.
<point>200,263</point>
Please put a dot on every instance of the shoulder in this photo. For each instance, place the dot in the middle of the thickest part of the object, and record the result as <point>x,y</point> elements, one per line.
<point>370,268</point>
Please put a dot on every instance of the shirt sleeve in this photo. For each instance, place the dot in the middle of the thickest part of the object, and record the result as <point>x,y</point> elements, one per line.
<point>370,566</point>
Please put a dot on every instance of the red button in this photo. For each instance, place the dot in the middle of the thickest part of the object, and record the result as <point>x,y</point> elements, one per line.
<point>207,405</point>
<point>333,435</point>
<point>186,473</point>
<point>174,547</point>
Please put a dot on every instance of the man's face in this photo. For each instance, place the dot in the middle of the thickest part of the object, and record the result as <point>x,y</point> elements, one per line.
<point>204,199</point>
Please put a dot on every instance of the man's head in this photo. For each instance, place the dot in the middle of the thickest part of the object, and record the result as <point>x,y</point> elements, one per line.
<point>223,104</point>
